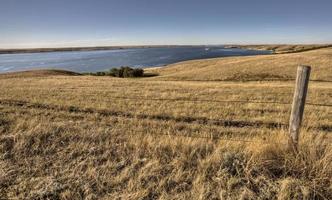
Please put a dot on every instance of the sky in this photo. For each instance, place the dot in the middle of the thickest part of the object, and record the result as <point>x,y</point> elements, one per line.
<point>67,23</point>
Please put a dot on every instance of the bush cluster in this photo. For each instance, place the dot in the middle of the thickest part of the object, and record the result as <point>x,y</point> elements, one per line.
<point>122,72</point>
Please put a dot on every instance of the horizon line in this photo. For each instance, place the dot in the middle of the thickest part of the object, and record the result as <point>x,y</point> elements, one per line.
<point>159,45</point>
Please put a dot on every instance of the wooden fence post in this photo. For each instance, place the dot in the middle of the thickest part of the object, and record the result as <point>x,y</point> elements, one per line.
<point>301,88</point>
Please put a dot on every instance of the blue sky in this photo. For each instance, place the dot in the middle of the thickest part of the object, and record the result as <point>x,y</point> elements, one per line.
<point>57,23</point>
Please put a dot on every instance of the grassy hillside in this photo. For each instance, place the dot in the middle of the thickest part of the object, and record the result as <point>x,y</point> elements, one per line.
<point>282,48</point>
<point>264,67</point>
<point>167,137</point>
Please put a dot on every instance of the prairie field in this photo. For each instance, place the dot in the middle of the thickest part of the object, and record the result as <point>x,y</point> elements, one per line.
<point>202,129</point>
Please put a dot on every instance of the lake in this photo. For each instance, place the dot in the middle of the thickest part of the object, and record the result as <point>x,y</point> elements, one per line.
<point>92,61</point>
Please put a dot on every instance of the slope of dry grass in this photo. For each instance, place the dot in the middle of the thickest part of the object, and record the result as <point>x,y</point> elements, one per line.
<point>282,48</point>
<point>166,137</point>
<point>264,67</point>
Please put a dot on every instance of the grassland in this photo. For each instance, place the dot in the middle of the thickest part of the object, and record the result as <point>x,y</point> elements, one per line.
<point>252,68</point>
<point>206,129</point>
<point>282,48</point>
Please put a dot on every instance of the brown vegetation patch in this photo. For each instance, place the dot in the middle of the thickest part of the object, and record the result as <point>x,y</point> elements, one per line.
<point>38,73</point>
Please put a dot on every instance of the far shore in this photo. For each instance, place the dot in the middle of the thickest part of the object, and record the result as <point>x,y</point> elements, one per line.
<point>275,48</point>
<point>100,48</point>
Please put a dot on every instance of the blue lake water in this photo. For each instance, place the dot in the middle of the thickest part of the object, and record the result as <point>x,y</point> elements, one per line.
<point>91,61</point>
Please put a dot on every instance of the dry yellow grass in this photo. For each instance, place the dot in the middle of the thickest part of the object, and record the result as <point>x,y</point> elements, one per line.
<point>282,48</point>
<point>167,137</point>
<point>264,67</point>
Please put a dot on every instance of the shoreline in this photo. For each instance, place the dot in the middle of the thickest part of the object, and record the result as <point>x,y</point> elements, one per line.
<point>271,48</point>
<point>146,68</point>
<point>187,68</point>
<point>150,66</point>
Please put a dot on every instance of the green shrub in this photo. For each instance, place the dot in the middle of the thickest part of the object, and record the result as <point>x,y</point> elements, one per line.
<point>116,72</point>
<point>100,73</point>
<point>138,72</point>
<point>126,72</point>
<point>122,72</point>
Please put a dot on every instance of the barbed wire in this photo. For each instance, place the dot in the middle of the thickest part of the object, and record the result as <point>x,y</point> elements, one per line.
<point>200,120</point>
<point>262,141</point>
<point>208,138</point>
<point>217,101</point>
<point>212,137</point>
